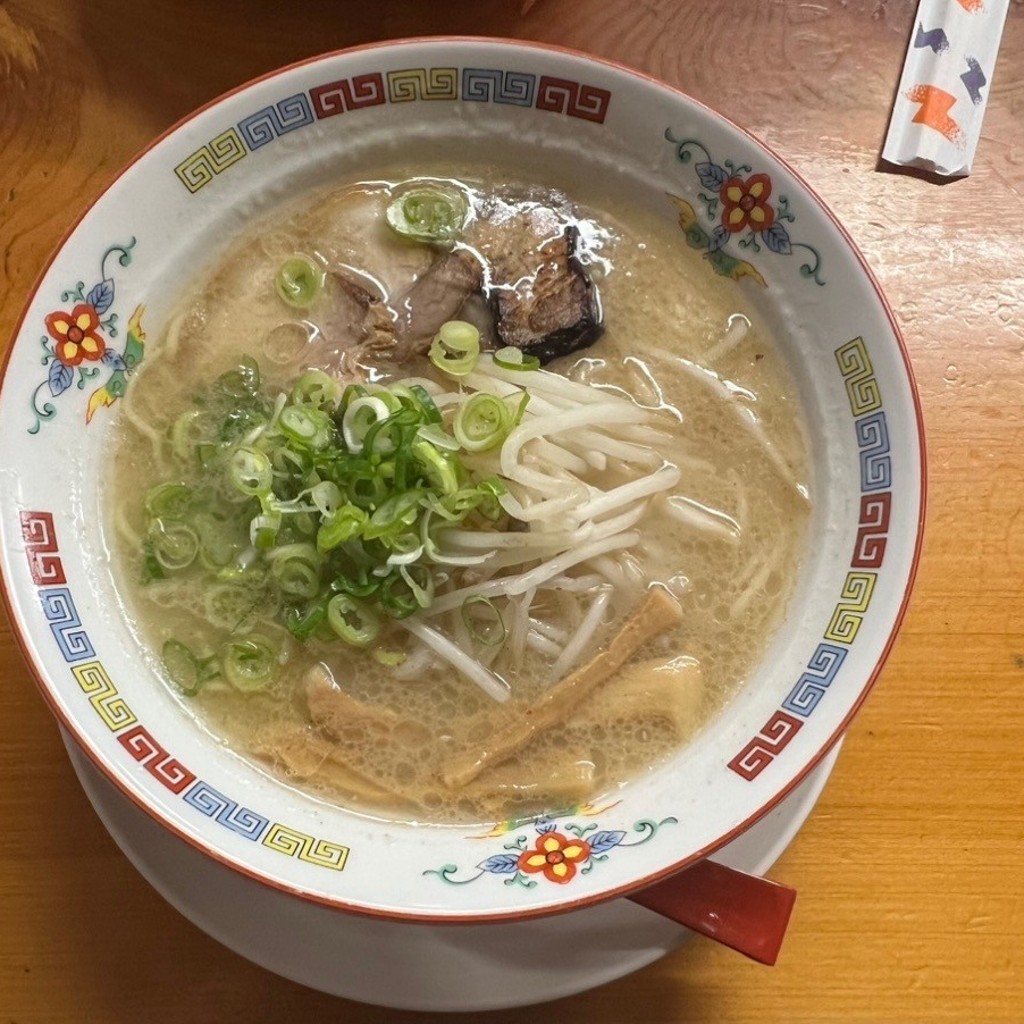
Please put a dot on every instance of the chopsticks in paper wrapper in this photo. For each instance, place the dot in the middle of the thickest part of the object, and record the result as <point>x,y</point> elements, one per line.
<point>947,75</point>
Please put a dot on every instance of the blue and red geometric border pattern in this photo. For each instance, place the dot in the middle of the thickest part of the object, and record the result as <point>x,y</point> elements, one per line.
<point>872,436</point>
<point>137,741</point>
<point>407,85</point>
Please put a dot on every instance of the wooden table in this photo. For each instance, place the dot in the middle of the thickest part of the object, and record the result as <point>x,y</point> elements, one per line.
<point>911,871</point>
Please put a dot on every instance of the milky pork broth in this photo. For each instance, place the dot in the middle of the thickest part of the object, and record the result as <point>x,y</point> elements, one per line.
<point>447,585</point>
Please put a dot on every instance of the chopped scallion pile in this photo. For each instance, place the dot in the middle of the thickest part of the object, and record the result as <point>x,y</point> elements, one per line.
<point>321,510</point>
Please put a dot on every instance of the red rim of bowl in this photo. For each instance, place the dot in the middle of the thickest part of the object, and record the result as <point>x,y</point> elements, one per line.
<point>629,887</point>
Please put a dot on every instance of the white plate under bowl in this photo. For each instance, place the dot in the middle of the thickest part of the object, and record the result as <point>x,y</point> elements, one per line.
<point>417,966</point>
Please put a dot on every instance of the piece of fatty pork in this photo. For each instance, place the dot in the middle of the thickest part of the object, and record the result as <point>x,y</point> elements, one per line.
<point>554,310</point>
<point>543,300</point>
<point>520,259</point>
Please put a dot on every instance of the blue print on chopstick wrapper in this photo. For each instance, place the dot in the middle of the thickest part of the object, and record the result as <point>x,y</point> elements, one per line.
<point>62,615</point>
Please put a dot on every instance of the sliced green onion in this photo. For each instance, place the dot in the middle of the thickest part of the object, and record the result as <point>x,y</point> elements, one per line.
<point>397,598</point>
<point>494,633</point>
<point>250,664</point>
<point>186,432</point>
<point>299,281</point>
<point>151,568</point>
<point>512,358</point>
<point>207,453</point>
<point>355,487</point>
<point>359,586</point>
<point>352,621</point>
<point>250,471</point>
<point>394,516</point>
<point>327,497</point>
<point>303,624</point>
<point>297,462</point>
<point>430,409</point>
<point>493,486</point>
<point>388,397</point>
<point>302,551</point>
<point>386,436</point>
<point>405,549</point>
<point>296,569</point>
<point>184,669</point>
<point>239,424</point>
<point>428,214</point>
<point>241,382</point>
<point>518,407</point>
<point>174,544</point>
<point>437,507</point>
<point>306,426</point>
<point>482,422</point>
<point>438,467</point>
<point>297,578</point>
<point>350,394</point>
<point>366,488</point>
<point>423,588</point>
<point>465,500</point>
<point>360,415</point>
<point>219,539</point>
<point>263,530</point>
<point>316,388</point>
<point>389,659</point>
<point>490,490</point>
<point>340,526</point>
<point>438,437</point>
<point>456,348</point>
<point>169,500</point>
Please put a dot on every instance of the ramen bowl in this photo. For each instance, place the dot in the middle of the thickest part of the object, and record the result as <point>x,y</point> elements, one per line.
<point>125,263</point>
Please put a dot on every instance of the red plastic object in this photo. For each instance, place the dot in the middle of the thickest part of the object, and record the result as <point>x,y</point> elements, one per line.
<point>744,912</point>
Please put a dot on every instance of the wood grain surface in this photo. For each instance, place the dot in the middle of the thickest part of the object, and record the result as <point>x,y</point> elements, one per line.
<point>911,871</point>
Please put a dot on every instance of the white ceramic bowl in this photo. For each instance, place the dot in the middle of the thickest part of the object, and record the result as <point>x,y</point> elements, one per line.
<point>127,260</point>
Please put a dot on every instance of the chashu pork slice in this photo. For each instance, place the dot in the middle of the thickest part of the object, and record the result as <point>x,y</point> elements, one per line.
<point>544,302</point>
